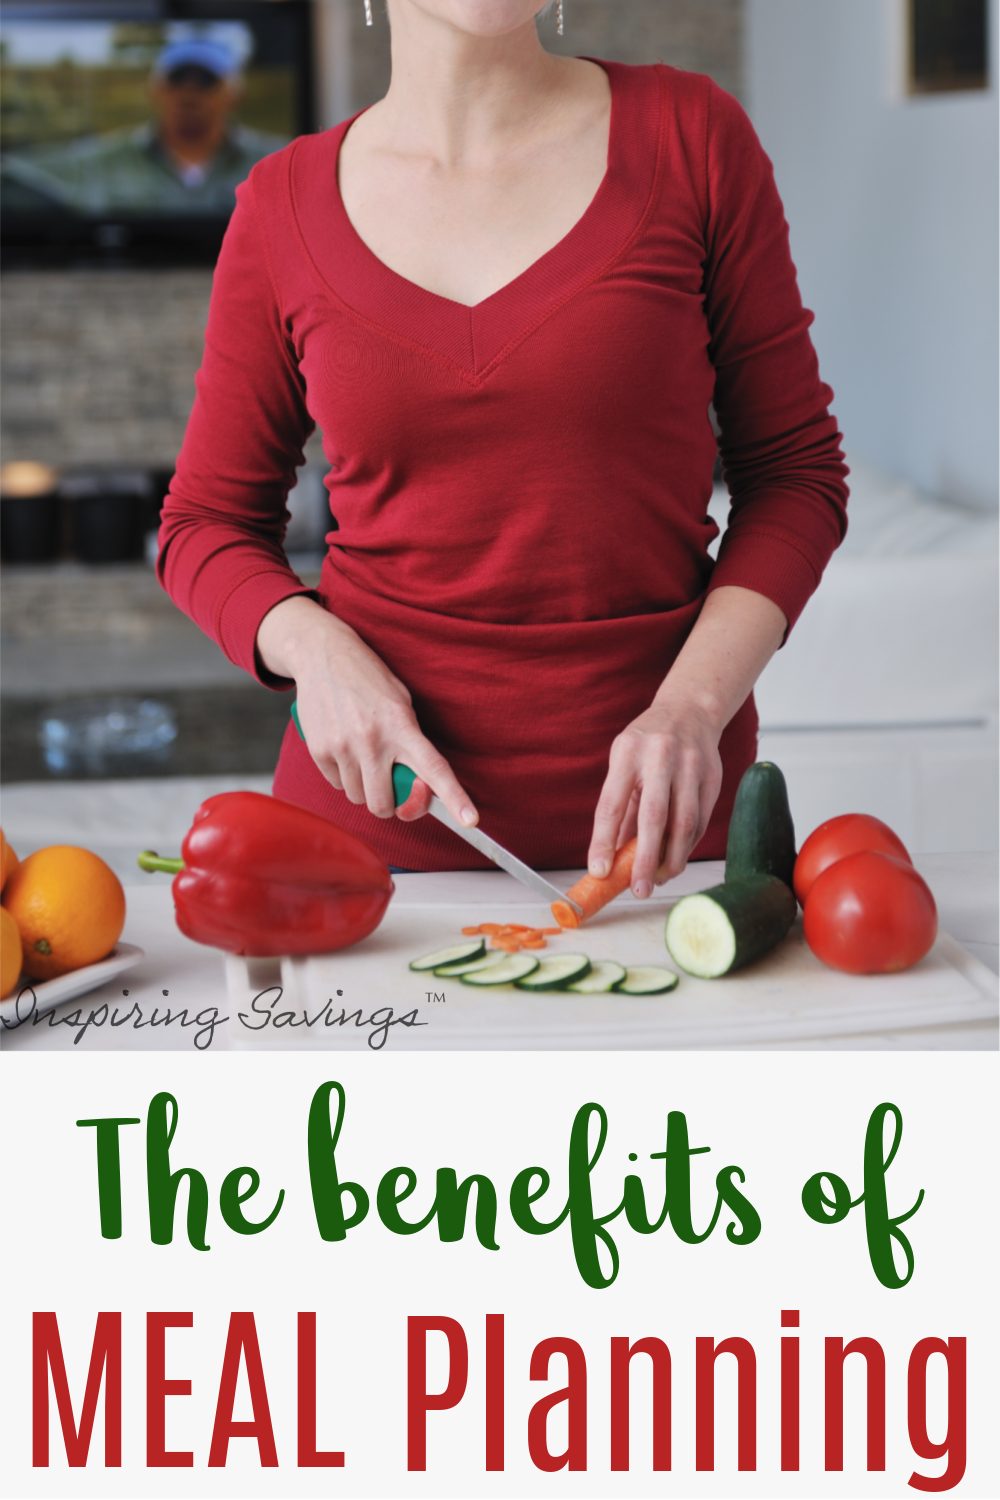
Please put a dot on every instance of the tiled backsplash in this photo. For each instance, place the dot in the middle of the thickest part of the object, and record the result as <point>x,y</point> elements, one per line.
<point>98,366</point>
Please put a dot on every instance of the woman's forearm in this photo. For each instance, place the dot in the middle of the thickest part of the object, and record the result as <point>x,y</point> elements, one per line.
<point>732,641</point>
<point>665,770</point>
<point>294,632</point>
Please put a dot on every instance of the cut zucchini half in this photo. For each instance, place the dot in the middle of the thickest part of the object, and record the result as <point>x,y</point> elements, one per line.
<point>603,976</point>
<point>713,932</point>
<point>457,953</point>
<point>556,973</point>
<point>647,979</point>
<point>469,965</point>
<point>508,970</point>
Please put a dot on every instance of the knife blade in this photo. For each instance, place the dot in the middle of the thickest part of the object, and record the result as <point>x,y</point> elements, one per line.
<point>402,783</point>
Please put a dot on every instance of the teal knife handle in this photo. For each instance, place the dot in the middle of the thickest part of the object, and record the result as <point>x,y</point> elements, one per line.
<point>402,782</point>
<point>402,777</point>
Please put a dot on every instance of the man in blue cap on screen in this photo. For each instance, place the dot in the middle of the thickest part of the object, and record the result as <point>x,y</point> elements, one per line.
<point>188,157</point>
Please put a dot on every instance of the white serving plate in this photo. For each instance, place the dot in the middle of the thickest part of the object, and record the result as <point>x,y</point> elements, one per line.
<point>49,993</point>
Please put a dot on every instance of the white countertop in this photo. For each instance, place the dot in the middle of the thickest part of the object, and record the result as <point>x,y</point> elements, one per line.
<point>785,1001</point>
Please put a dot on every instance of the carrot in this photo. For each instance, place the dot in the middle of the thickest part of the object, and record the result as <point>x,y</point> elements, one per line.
<point>511,936</point>
<point>592,894</point>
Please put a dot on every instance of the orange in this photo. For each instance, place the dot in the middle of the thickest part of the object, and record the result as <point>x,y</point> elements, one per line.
<point>10,954</point>
<point>69,906</point>
<point>8,860</point>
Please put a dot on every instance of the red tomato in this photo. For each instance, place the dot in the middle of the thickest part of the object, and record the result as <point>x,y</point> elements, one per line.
<point>838,837</point>
<point>870,914</point>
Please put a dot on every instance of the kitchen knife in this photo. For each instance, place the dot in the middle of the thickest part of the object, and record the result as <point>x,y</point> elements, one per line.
<point>402,783</point>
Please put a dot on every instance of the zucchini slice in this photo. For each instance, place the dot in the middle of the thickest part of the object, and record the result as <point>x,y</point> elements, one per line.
<point>457,953</point>
<point>713,932</point>
<point>761,838</point>
<point>507,970</point>
<point>556,973</point>
<point>647,979</point>
<point>469,965</point>
<point>603,976</point>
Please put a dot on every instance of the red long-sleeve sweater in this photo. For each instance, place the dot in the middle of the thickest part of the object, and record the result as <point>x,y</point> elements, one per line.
<point>519,488</point>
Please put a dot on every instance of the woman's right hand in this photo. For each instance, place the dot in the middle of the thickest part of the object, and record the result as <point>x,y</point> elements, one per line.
<point>356,716</point>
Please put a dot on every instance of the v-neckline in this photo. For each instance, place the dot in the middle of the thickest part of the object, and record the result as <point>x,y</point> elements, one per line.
<point>578,228</point>
<point>473,336</point>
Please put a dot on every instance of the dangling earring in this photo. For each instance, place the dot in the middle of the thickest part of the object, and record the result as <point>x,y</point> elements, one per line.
<point>368,12</point>
<point>559,17</point>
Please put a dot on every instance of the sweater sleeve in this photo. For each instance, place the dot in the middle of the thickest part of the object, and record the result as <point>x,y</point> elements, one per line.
<point>221,555</point>
<point>779,443</point>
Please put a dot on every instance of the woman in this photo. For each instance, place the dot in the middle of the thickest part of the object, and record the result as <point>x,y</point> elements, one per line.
<point>507,293</point>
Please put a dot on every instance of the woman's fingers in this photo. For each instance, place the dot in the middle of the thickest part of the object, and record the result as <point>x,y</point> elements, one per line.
<point>691,812</point>
<point>432,767</point>
<point>682,821</point>
<point>356,752</point>
<point>630,822</point>
<point>664,777</point>
<point>608,817</point>
<point>377,779</point>
<point>610,812</point>
<point>668,810</point>
<point>331,772</point>
<point>352,781</point>
<point>672,818</point>
<point>370,782</point>
<point>654,805</point>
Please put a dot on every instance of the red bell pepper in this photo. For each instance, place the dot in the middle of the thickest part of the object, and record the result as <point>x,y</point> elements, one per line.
<point>261,876</point>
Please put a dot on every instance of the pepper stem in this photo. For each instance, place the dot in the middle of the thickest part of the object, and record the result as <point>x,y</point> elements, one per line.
<point>148,860</point>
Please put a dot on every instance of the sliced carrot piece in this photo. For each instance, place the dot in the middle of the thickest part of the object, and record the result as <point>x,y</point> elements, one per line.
<point>514,935</point>
<point>593,894</point>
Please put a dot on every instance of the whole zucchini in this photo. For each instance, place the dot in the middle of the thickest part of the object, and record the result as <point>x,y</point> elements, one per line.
<point>713,932</point>
<point>761,838</point>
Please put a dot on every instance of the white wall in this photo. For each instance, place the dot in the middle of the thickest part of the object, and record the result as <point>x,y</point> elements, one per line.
<point>892,204</point>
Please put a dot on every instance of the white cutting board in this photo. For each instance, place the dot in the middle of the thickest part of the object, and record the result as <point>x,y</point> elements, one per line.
<point>787,998</point>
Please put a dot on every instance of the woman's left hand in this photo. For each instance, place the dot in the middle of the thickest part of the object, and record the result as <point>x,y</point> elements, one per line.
<point>664,777</point>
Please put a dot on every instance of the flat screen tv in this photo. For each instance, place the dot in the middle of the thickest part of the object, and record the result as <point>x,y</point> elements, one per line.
<point>125,125</point>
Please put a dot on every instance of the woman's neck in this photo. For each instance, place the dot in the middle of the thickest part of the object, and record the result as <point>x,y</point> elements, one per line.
<point>466,101</point>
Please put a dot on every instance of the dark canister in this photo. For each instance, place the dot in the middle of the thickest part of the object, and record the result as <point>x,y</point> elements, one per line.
<point>29,512</point>
<point>107,510</point>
